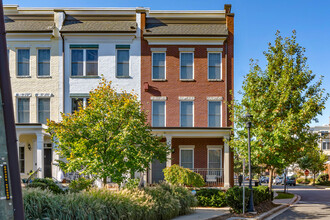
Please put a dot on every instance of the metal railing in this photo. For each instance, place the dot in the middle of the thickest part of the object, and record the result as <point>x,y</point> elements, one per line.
<point>212,177</point>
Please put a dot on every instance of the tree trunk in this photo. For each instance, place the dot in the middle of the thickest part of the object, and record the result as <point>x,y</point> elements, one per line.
<point>314,179</point>
<point>104,182</point>
<point>270,183</point>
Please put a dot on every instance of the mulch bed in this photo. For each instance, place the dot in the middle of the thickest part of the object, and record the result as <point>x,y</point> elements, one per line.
<point>261,208</point>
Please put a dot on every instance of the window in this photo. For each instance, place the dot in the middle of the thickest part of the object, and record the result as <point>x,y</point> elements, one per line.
<point>43,110</point>
<point>214,65</point>
<point>84,62</point>
<point>21,154</point>
<point>79,102</point>
<point>23,62</point>
<point>158,65</point>
<point>123,63</point>
<point>44,62</point>
<point>23,110</point>
<point>186,65</point>
<point>187,158</point>
<point>214,158</point>
<point>214,118</point>
<point>158,113</point>
<point>186,114</point>
<point>326,145</point>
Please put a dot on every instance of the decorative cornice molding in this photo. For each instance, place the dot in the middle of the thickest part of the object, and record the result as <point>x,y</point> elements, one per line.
<point>214,98</point>
<point>214,49</point>
<point>185,49</point>
<point>41,95</point>
<point>155,49</point>
<point>25,95</point>
<point>158,98</point>
<point>186,98</point>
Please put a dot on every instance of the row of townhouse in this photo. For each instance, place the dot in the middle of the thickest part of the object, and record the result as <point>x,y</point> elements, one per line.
<point>179,63</point>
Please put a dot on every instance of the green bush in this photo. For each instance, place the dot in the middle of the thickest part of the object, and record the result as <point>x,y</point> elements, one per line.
<point>302,180</point>
<point>160,202</point>
<point>183,176</point>
<point>211,198</point>
<point>80,184</point>
<point>261,194</point>
<point>132,183</point>
<point>324,177</point>
<point>45,183</point>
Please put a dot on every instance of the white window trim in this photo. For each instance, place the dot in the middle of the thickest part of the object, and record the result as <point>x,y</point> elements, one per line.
<point>23,48</point>
<point>50,58</point>
<point>208,110</point>
<point>193,118</point>
<point>20,97</point>
<point>325,142</point>
<point>215,147</point>
<point>129,64</point>
<point>50,107</point>
<point>152,65</point>
<point>158,98</point>
<point>193,65</point>
<point>76,97</point>
<point>208,60</point>
<point>188,147</point>
<point>84,62</point>
<point>152,111</point>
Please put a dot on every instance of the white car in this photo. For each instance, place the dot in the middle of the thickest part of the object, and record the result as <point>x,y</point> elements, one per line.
<point>277,180</point>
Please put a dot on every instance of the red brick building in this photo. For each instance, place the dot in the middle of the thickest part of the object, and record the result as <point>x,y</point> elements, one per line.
<point>187,75</point>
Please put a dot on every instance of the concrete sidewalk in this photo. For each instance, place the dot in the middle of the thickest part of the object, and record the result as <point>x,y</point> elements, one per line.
<point>204,213</point>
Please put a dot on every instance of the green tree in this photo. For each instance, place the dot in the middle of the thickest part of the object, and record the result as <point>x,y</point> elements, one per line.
<point>314,160</point>
<point>283,99</point>
<point>108,138</point>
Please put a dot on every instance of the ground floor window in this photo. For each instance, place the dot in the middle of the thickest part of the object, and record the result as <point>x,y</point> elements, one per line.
<point>326,145</point>
<point>78,102</point>
<point>187,158</point>
<point>21,154</point>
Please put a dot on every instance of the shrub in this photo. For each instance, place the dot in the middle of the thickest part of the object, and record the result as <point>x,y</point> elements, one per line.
<point>324,177</point>
<point>161,202</point>
<point>80,184</point>
<point>303,180</point>
<point>211,198</point>
<point>132,183</point>
<point>45,183</point>
<point>179,175</point>
<point>261,194</point>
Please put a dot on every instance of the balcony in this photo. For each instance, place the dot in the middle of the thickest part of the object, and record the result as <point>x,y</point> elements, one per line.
<point>213,177</point>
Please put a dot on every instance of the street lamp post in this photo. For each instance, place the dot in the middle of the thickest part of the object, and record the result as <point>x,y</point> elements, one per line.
<point>248,125</point>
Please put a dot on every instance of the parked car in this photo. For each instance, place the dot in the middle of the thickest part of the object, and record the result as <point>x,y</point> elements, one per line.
<point>291,181</point>
<point>264,179</point>
<point>277,180</point>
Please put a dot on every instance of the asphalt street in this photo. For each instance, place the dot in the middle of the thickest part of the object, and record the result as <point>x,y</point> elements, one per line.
<point>314,204</point>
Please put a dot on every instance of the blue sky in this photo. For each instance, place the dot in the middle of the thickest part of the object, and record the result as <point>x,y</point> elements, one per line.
<point>256,22</point>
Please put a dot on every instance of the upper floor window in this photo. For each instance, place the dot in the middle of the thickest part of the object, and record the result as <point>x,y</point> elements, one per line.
<point>326,146</point>
<point>186,114</point>
<point>84,62</point>
<point>214,114</point>
<point>77,103</point>
<point>158,113</point>
<point>23,62</point>
<point>214,66</point>
<point>43,110</point>
<point>158,65</point>
<point>186,65</point>
<point>23,110</point>
<point>44,62</point>
<point>122,63</point>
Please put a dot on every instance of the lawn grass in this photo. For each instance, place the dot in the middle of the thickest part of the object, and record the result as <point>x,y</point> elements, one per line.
<point>282,195</point>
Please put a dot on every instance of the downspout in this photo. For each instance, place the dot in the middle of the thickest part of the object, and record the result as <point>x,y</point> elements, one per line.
<point>226,84</point>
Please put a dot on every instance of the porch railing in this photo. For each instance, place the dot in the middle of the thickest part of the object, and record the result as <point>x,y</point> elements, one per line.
<point>213,177</point>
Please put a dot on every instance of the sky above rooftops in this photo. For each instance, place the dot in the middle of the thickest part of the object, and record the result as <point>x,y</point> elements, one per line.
<point>256,22</point>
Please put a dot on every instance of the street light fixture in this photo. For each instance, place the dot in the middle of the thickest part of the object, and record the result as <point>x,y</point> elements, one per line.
<point>248,118</point>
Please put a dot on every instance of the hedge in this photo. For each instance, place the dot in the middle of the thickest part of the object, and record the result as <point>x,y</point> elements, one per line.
<point>160,202</point>
<point>211,198</point>
<point>183,176</point>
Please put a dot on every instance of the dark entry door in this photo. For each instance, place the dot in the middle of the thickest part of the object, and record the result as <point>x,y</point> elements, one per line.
<point>48,163</point>
<point>157,171</point>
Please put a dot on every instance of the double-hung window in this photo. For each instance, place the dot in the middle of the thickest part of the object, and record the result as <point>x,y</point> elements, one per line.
<point>21,154</point>
<point>214,66</point>
<point>326,146</point>
<point>23,62</point>
<point>43,110</point>
<point>186,113</point>
<point>186,65</point>
<point>23,110</point>
<point>158,113</point>
<point>187,158</point>
<point>214,114</point>
<point>214,161</point>
<point>44,62</point>
<point>78,102</point>
<point>84,60</point>
<point>158,65</point>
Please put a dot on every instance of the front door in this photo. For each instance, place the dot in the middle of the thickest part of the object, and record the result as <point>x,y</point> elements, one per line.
<point>48,162</point>
<point>157,171</point>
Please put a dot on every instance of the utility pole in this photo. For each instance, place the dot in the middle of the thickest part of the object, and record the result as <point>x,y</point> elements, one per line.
<point>11,204</point>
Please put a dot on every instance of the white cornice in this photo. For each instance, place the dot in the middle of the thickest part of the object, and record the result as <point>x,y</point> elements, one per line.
<point>24,95</point>
<point>186,98</point>
<point>214,98</point>
<point>158,98</point>
<point>185,40</point>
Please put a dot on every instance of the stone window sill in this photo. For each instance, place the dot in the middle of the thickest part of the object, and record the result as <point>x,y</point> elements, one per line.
<point>159,80</point>
<point>84,77</point>
<point>187,80</point>
<point>23,76</point>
